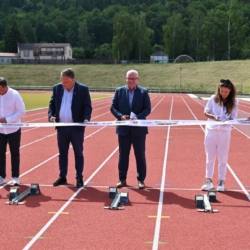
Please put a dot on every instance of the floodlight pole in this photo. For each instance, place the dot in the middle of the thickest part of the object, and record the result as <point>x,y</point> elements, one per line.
<point>180,79</point>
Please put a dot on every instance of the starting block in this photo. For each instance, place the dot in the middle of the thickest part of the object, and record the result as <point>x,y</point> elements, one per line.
<point>14,192</point>
<point>115,203</point>
<point>202,202</point>
<point>120,198</point>
<point>211,193</point>
<point>34,189</point>
<point>124,198</point>
<point>112,192</point>
<point>16,199</point>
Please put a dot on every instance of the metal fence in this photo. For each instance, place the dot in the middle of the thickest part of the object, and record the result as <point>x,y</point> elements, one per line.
<point>173,89</point>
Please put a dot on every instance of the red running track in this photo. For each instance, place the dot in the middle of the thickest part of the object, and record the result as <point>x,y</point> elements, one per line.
<point>163,216</point>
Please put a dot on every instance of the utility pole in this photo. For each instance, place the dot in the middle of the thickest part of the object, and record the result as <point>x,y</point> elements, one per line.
<point>180,79</point>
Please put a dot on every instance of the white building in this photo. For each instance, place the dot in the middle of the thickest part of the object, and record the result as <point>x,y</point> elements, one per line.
<point>159,57</point>
<point>5,58</point>
<point>57,51</point>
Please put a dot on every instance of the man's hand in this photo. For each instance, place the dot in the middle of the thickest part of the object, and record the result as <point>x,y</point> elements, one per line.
<point>86,121</point>
<point>3,120</point>
<point>52,119</point>
<point>125,117</point>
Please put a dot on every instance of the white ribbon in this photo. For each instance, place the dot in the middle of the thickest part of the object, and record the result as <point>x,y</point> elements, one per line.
<point>135,123</point>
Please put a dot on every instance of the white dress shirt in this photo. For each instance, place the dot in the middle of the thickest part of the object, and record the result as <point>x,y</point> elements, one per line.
<point>65,114</point>
<point>12,108</point>
<point>219,110</point>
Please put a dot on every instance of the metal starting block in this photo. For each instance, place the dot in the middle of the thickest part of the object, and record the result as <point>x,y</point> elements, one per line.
<point>115,203</point>
<point>124,198</point>
<point>120,198</point>
<point>34,189</point>
<point>14,192</point>
<point>16,199</point>
<point>211,193</point>
<point>112,192</point>
<point>202,201</point>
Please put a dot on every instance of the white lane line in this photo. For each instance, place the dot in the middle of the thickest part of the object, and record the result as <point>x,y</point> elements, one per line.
<point>239,182</point>
<point>45,137</point>
<point>52,157</point>
<point>228,166</point>
<point>30,170</point>
<point>72,197</point>
<point>132,187</point>
<point>163,181</point>
<point>25,116</point>
<point>39,234</point>
<point>30,143</point>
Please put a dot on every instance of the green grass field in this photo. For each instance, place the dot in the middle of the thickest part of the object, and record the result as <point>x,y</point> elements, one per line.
<point>41,100</point>
<point>201,77</point>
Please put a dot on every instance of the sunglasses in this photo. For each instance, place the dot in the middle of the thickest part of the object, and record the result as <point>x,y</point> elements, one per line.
<point>225,83</point>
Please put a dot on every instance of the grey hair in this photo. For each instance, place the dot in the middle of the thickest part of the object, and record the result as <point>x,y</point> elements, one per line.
<point>132,71</point>
<point>68,72</point>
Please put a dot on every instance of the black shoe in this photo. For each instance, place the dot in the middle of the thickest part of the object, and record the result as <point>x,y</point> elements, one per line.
<point>121,184</point>
<point>141,185</point>
<point>60,181</point>
<point>79,183</point>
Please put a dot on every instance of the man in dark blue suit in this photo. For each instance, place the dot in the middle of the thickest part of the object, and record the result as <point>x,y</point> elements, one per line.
<point>131,102</point>
<point>70,102</point>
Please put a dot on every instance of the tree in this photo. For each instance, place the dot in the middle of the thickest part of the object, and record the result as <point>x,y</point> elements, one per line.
<point>29,33</point>
<point>40,31</point>
<point>174,35</point>
<point>123,29</point>
<point>2,46</point>
<point>83,36</point>
<point>236,29</point>
<point>12,37</point>
<point>214,33</point>
<point>157,47</point>
<point>104,51</point>
<point>78,53</point>
<point>71,34</point>
<point>142,36</point>
<point>195,34</point>
<point>156,16</point>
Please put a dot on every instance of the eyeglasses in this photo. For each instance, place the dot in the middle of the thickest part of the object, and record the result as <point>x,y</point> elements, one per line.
<point>132,79</point>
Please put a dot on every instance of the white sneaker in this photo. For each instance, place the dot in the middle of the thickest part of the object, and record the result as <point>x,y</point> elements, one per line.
<point>15,181</point>
<point>2,180</point>
<point>220,186</point>
<point>207,185</point>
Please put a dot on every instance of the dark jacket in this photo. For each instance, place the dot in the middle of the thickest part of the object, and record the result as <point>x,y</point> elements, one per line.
<point>141,106</point>
<point>81,103</point>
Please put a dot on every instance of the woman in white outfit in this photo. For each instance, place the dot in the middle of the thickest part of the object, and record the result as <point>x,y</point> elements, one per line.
<point>220,107</point>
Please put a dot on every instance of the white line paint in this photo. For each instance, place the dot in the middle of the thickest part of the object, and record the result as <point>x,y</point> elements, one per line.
<point>70,199</point>
<point>228,166</point>
<point>161,197</point>
<point>48,224</point>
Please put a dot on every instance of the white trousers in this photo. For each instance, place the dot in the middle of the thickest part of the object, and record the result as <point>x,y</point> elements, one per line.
<point>217,144</point>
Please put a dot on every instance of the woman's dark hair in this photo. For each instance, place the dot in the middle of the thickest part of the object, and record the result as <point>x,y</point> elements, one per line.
<point>229,103</point>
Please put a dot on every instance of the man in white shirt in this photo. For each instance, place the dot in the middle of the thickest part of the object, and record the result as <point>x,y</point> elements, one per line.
<point>12,108</point>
